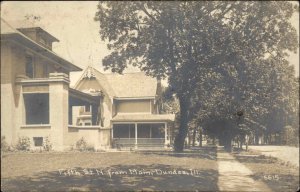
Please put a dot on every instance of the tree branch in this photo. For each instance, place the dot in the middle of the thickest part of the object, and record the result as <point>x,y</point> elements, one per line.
<point>147,13</point>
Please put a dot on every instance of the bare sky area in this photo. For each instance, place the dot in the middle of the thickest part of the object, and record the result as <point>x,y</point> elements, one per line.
<point>72,22</point>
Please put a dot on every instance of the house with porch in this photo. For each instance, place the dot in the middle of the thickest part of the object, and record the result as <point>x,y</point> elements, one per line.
<point>131,108</point>
<point>37,101</point>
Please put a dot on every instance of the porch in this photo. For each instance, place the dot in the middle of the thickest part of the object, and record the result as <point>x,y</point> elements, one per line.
<point>46,110</point>
<point>146,131</point>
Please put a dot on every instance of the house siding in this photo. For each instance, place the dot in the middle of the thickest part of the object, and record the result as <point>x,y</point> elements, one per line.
<point>7,101</point>
<point>107,108</point>
<point>134,106</point>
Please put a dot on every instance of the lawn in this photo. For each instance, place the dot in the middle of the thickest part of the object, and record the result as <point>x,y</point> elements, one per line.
<point>278,175</point>
<point>88,171</point>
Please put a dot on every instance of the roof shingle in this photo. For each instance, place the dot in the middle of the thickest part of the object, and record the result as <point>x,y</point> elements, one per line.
<point>127,85</point>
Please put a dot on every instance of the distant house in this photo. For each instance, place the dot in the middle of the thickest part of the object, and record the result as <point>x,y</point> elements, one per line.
<point>130,108</point>
<point>37,101</point>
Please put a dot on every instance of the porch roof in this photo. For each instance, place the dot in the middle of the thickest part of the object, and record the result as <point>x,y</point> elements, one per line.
<point>138,117</point>
<point>81,97</point>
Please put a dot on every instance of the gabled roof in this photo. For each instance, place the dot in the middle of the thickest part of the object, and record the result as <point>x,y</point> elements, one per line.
<point>132,85</point>
<point>9,32</point>
<point>125,86</point>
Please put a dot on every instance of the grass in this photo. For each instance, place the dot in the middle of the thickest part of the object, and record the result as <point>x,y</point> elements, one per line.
<point>40,171</point>
<point>278,175</point>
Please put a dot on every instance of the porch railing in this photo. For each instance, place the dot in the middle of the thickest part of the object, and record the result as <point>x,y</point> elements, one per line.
<point>141,142</point>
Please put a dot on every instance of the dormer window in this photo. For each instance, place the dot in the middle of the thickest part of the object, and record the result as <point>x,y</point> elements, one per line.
<point>43,41</point>
<point>29,66</point>
<point>39,35</point>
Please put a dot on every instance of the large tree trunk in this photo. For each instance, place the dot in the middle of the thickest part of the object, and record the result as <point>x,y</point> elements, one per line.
<point>227,141</point>
<point>184,113</point>
<point>200,141</point>
<point>194,137</point>
<point>256,138</point>
<point>189,139</point>
<point>247,141</point>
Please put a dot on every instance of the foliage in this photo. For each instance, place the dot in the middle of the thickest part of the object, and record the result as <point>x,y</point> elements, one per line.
<point>179,40</point>
<point>4,145</point>
<point>47,145</point>
<point>291,136</point>
<point>23,144</point>
<point>82,145</point>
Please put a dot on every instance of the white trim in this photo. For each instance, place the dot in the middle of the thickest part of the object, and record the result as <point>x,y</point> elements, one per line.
<point>134,98</point>
<point>85,126</point>
<point>42,80</point>
<point>80,79</point>
<point>138,122</point>
<point>133,113</point>
<point>35,126</point>
<point>37,92</point>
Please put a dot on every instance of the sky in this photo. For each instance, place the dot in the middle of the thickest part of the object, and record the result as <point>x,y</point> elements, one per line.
<point>72,22</point>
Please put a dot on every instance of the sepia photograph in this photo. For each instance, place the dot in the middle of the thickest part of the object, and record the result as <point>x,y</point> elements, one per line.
<point>150,96</point>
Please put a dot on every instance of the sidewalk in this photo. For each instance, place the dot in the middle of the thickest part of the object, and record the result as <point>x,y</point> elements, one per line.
<point>284,153</point>
<point>234,176</point>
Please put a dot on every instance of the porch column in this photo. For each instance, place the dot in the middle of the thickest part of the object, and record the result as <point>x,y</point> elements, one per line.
<point>70,115</point>
<point>166,135</point>
<point>135,126</point>
<point>94,114</point>
<point>59,106</point>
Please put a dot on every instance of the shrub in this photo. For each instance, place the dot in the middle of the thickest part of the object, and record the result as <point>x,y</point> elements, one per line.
<point>47,144</point>
<point>291,136</point>
<point>81,144</point>
<point>4,145</point>
<point>90,148</point>
<point>23,144</point>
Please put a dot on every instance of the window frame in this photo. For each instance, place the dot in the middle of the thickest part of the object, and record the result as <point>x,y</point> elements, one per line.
<point>36,140</point>
<point>32,65</point>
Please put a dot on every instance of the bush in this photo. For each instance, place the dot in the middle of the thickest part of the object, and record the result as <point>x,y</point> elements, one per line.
<point>90,148</point>
<point>82,145</point>
<point>4,145</point>
<point>47,144</point>
<point>290,136</point>
<point>23,144</point>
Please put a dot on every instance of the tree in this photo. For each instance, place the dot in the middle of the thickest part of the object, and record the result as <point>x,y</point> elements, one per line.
<point>175,40</point>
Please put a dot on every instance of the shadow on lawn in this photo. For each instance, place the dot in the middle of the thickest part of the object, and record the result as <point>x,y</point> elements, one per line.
<point>203,180</point>
<point>256,159</point>
<point>207,152</point>
<point>284,180</point>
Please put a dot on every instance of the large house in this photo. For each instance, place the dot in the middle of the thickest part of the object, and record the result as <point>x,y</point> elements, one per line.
<point>107,110</point>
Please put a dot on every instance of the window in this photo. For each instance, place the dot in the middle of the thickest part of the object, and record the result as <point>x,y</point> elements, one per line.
<point>45,70</point>
<point>123,131</point>
<point>43,41</point>
<point>38,141</point>
<point>37,108</point>
<point>29,67</point>
<point>87,108</point>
